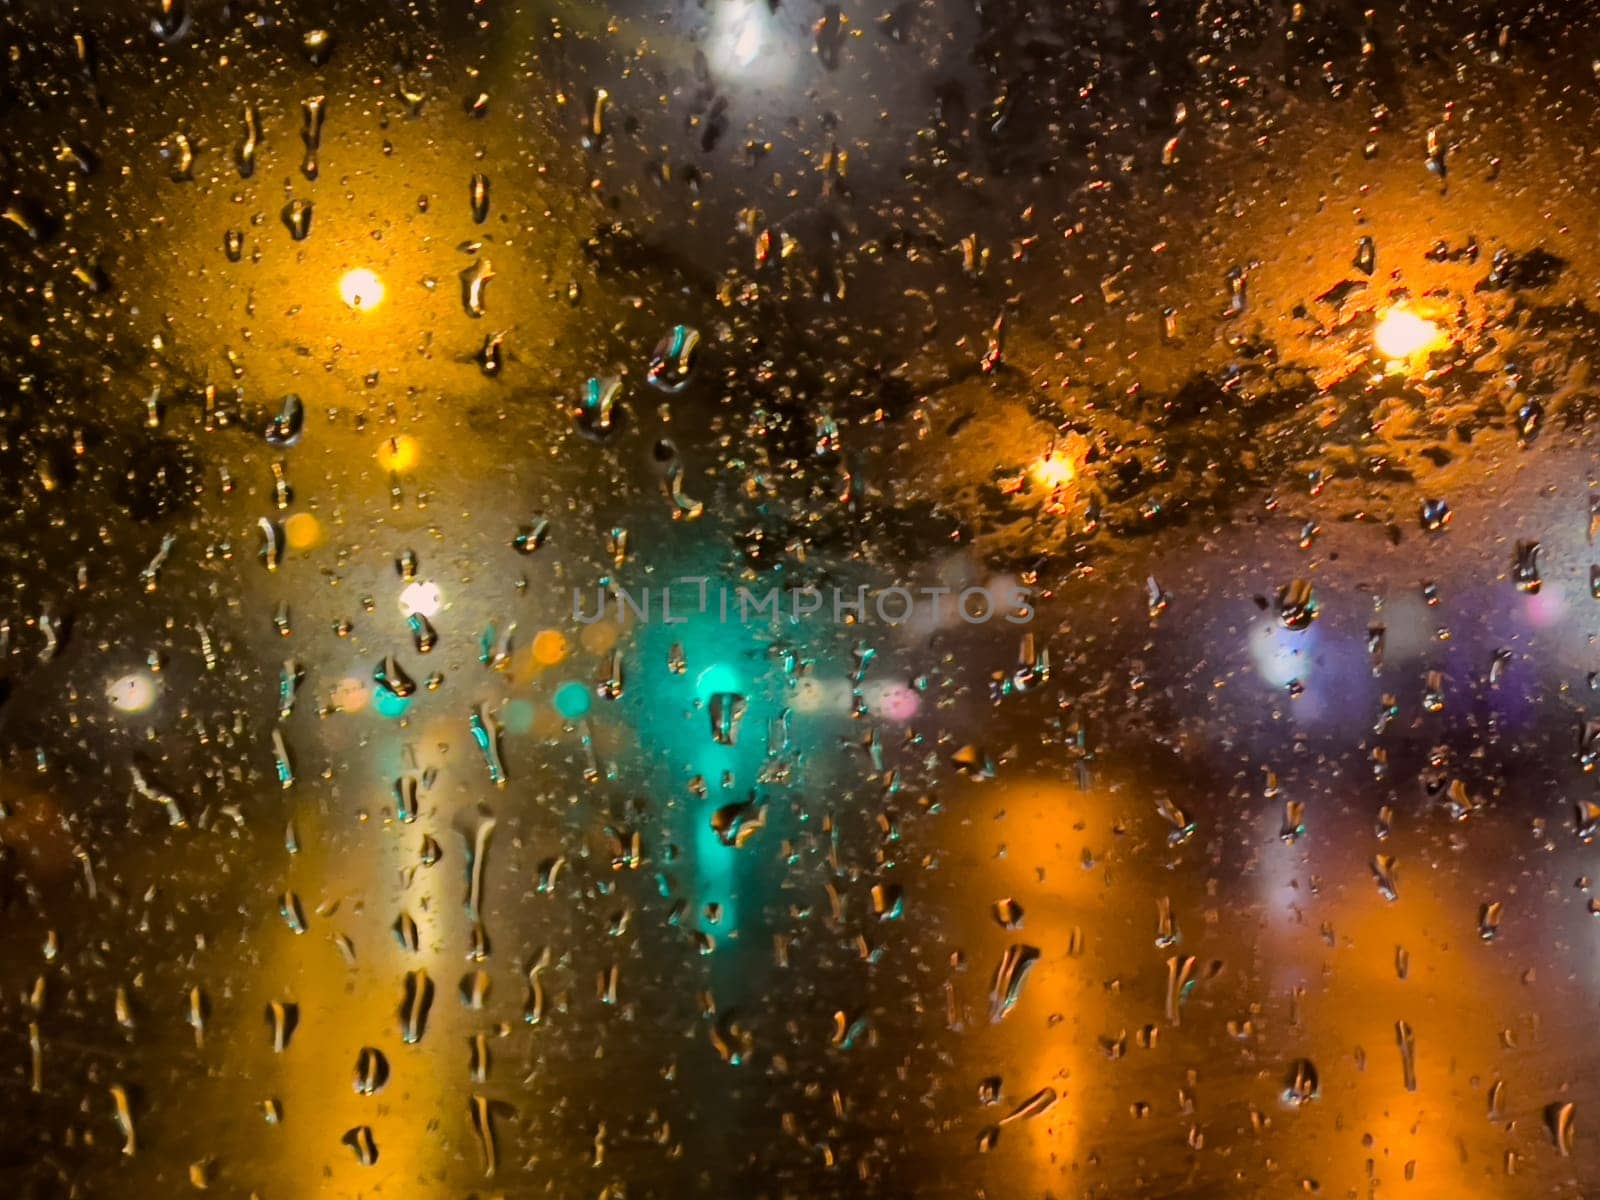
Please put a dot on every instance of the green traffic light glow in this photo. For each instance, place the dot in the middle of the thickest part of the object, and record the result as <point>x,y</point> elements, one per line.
<point>572,700</point>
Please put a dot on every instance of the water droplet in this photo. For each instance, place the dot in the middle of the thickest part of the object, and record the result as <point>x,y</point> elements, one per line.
<point>245,155</point>
<point>1008,913</point>
<point>171,22</point>
<point>1300,1084</point>
<point>392,678</point>
<point>726,711</point>
<point>1558,1119</point>
<point>293,914</point>
<point>312,113</point>
<point>372,1071</point>
<point>360,1140</point>
<point>124,1112</point>
<point>282,1018</point>
<point>297,219</point>
<point>1525,568</point>
<point>285,428</point>
<point>598,414</point>
<point>491,356</point>
<point>318,46</point>
<point>1407,1042</point>
<point>1180,981</point>
<point>531,536</point>
<point>673,361</point>
<point>474,284</point>
<point>1019,959</point>
<point>1297,605</point>
<point>736,824</point>
<point>1383,870</point>
<point>486,733</point>
<point>1489,920</point>
<point>1435,515</point>
<point>414,1006</point>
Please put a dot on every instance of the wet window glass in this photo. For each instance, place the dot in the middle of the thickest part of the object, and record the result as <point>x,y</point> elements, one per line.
<point>786,598</point>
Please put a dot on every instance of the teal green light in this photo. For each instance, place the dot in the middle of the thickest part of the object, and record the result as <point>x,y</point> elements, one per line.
<point>714,865</point>
<point>718,677</point>
<point>572,700</point>
<point>387,704</point>
<point>516,716</point>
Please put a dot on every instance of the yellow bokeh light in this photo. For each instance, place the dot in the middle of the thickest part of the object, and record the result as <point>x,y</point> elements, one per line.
<point>599,637</point>
<point>302,531</point>
<point>398,453</point>
<point>361,289</point>
<point>1401,334</point>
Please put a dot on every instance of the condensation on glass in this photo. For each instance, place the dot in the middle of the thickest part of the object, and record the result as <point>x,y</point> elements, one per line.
<point>798,599</point>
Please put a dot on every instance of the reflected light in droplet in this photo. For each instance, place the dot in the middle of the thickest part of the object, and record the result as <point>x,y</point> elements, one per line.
<point>361,289</point>
<point>1401,334</point>
<point>420,598</point>
<point>132,693</point>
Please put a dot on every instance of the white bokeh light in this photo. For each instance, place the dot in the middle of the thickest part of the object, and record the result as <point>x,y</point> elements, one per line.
<point>747,44</point>
<point>132,693</point>
<point>361,289</point>
<point>423,599</point>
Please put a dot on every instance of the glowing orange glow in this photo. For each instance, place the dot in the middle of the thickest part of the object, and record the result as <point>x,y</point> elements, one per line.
<point>398,453</point>
<point>549,647</point>
<point>1053,470</point>
<point>1401,334</point>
